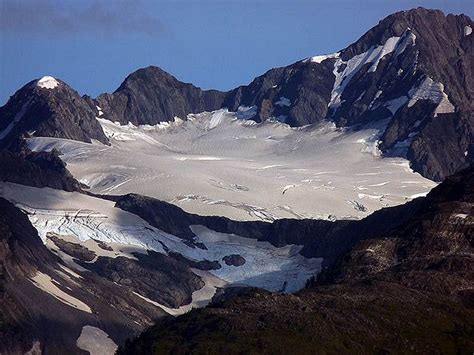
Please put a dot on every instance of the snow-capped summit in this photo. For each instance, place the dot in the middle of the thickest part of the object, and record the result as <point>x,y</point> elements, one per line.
<point>47,82</point>
<point>49,107</point>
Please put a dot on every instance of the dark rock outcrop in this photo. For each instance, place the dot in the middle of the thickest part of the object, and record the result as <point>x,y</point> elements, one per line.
<point>297,94</point>
<point>74,250</point>
<point>150,96</point>
<point>43,169</point>
<point>234,259</point>
<point>433,50</point>
<point>155,276</point>
<point>433,251</point>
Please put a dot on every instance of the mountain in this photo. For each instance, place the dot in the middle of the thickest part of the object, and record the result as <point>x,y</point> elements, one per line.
<point>289,211</point>
<point>411,75</point>
<point>409,289</point>
<point>150,96</point>
<point>48,107</point>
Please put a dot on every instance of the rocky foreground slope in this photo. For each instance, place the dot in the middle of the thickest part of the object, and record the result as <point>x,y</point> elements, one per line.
<point>412,75</point>
<point>410,289</point>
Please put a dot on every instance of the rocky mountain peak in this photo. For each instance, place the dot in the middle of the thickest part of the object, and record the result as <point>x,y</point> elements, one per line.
<point>424,23</point>
<point>147,75</point>
<point>150,95</point>
<point>48,107</point>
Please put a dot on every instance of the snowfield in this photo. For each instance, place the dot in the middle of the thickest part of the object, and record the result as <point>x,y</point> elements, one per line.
<point>217,164</point>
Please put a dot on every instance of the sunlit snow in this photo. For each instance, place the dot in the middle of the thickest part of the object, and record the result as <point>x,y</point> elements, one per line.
<point>216,164</point>
<point>47,82</point>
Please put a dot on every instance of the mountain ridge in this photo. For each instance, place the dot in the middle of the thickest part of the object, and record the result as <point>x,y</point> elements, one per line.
<point>413,73</point>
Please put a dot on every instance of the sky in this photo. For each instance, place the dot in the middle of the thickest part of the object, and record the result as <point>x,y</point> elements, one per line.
<point>220,44</point>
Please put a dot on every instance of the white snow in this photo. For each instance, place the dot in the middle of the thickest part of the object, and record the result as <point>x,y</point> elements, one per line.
<point>394,105</point>
<point>377,95</point>
<point>353,65</point>
<point>408,39</point>
<point>321,58</point>
<point>197,168</point>
<point>422,194</point>
<point>246,113</point>
<point>467,30</point>
<point>283,101</point>
<point>434,91</point>
<point>96,341</point>
<point>45,283</point>
<point>216,118</point>
<point>47,82</point>
<point>99,111</point>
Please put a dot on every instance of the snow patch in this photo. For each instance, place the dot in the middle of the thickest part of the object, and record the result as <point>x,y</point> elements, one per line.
<point>283,102</point>
<point>16,119</point>
<point>428,89</point>
<point>45,282</point>
<point>47,82</point>
<point>374,55</point>
<point>96,341</point>
<point>246,112</point>
<point>467,30</point>
<point>321,58</point>
<point>394,105</point>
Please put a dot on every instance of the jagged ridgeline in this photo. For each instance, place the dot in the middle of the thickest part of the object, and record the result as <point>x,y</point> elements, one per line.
<point>412,74</point>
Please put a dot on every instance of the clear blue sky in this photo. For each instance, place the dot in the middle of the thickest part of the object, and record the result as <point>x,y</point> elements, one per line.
<point>93,45</point>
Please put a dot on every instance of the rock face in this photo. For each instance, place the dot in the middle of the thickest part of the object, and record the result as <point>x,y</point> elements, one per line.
<point>409,289</point>
<point>433,251</point>
<point>48,108</point>
<point>423,87</point>
<point>155,276</point>
<point>150,96</point>
<point>297,95</point>
<point>43,169</point>
<point>234,259</point>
